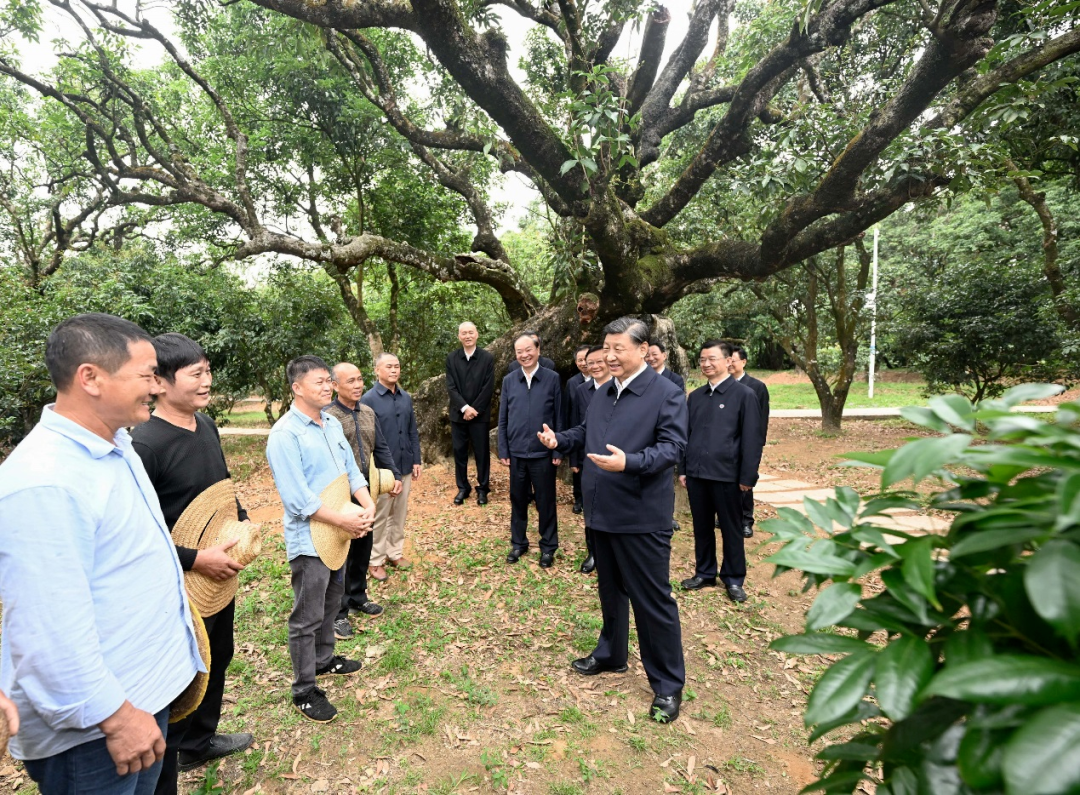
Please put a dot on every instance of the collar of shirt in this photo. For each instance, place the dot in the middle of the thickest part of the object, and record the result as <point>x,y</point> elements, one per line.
<point>741,377</point>
<point>713,387</point>
<point>381,390</point>
<point>468,356</point>
<point>296,413</point>
<point>94,444</point>
<point>661,370</point>
<point>621,385</point>
<point>530,375</point>
<point>343,407</point>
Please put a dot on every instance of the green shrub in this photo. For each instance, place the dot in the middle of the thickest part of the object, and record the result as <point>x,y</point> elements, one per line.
<point>961,675</point>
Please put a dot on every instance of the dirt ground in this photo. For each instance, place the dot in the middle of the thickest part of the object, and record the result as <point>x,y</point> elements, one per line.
<point>467,685</point>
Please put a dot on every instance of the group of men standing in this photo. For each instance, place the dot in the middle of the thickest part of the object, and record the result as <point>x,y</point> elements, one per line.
<point>625,424</point>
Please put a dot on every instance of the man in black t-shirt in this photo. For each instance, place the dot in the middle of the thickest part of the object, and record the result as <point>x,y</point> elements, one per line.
<point>181,451</point>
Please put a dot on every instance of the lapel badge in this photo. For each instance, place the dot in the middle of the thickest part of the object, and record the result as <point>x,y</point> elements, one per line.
<point>721,405</point>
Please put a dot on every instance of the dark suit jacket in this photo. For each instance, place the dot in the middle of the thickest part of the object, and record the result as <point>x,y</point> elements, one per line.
<point>580,399</point>
<point>674,378</point>
<point>648,423</point>
<point>568,390</point>
<point>725,434</point>
<point>524,411</point>
<point>515,365</point>
<point>470,382</point>
<point>762,393</point>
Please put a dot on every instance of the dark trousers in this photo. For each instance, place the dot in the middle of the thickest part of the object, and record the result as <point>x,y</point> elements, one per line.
<point>316,600</point>
<point>88,769</point>
<point>527,475</point>
<point>577,487</point>
<point>632,569</point>
<point>462,434</point>
<point>747,508</point>
<point>356,566</point>
<point>192,735</point>
<point>589,544</point>
<point>709,498</point>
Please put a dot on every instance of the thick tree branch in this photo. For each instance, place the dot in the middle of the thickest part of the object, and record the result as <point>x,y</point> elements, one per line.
<point>652,52</point>
<point>347,13</point>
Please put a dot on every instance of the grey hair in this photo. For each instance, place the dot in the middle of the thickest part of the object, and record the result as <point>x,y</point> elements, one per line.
<point>632,327</point>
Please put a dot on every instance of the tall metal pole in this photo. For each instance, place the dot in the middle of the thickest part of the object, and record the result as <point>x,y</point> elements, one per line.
<point>873,316</point>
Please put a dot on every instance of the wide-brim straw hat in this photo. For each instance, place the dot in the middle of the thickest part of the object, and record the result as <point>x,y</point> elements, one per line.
<point>209,520</point>
<point>332,542</point>
<point>189,700</point>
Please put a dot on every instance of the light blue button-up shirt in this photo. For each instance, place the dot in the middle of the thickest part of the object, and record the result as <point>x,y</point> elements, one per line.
<point>305,458</point>
<point>93,594</point>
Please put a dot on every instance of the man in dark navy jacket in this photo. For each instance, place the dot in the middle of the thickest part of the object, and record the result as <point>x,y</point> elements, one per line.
<point>599,375</point>
<point>634,433</point>
<point>738,371</point>
<point>572,384</point>
<point>531,397</point>
<point>721,461</point>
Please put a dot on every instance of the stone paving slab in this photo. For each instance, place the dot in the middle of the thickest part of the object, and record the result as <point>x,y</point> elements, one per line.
<point>227,431</point>
<point>782,485</point>
<point>787,497</point>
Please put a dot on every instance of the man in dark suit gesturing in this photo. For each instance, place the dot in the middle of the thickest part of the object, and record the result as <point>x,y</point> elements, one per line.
<point>721,461</point>
<point>633,434</point>
<point>470,382</point>
<point>738,371</point>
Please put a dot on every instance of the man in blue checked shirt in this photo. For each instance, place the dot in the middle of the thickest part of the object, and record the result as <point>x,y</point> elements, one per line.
<point>97,634</point>
<point>307,450</point>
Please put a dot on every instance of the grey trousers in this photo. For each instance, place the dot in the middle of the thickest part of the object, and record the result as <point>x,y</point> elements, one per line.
<point>316,599</point>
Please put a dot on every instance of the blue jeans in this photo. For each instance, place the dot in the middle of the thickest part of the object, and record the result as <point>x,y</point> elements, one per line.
<point>88,768</point>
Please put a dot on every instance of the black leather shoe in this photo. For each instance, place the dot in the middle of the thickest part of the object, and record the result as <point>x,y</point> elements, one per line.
<point>736,593</point>
<point>514,554</point>
<point>696,583</point>
<point>590,666</point>
<point>675,524</point>
<point>665,709</point>
<point>220,745</point>
<point>578,508</point>
<point>481,497</point>
<point>462,495</point>
<point>547,560</point>
<point>588,566</point>
<point>748,531</point>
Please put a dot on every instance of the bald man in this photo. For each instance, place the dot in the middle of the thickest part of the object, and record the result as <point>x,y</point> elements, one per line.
<point>470,383</point>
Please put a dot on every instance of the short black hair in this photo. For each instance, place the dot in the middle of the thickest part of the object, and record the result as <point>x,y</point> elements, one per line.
<point>91,338</point>
<point>530,333</point>
<point>175,352</point>
<point>594,349</point>
<point>725,347</point>
<point>740,351</point>
<point>301,366</point>
<point>658,344</point>
<point>581,348</point>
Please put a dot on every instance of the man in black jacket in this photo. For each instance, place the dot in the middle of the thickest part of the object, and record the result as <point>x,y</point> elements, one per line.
<point>544,361</point>
<point>599,375</point>
<point>721,461</point>
<point>470,383</point>
<point>657,360</point>
<point>531,396</point>
<point>181,452</point>
<point>633,434</point>
<point>569,391</point>
<point>738,370</point>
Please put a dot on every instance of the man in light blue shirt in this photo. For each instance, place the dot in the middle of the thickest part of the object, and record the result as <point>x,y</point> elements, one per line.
<point>307,450</point>
<point>97,634</point>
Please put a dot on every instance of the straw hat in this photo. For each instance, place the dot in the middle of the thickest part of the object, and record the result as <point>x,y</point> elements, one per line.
<point>210,520</point>
<point>189,700</point>
<point>331,542</point>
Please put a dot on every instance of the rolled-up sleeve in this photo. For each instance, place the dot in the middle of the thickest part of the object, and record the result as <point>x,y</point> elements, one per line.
<point>46,550</point>
<point>283,455</point>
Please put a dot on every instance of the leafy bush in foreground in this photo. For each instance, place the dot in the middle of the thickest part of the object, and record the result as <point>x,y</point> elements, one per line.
<point>961,675</point>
